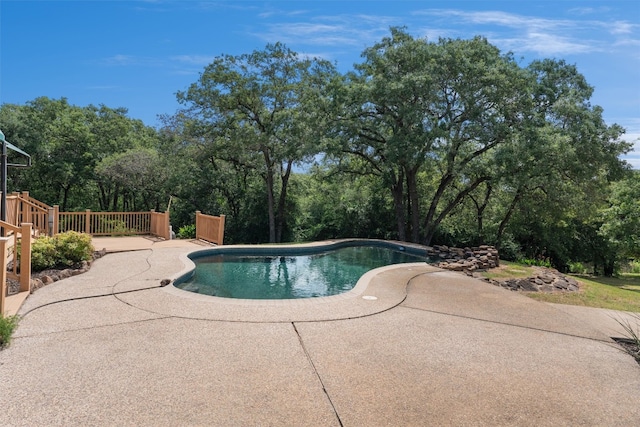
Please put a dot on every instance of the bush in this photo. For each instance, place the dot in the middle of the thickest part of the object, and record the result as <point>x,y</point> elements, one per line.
<point>510,249</point>
<point>634,267</point>
<point>61,250</point>
<point>577,268</point>
<point>538,262</point>
<point>7,325</point>
<point>187,232</point>
<point>43,253</point>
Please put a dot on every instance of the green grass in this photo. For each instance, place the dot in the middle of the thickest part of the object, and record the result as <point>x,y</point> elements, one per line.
<point>509,270</point>
<point>613,293</point>
<point>7,325</point>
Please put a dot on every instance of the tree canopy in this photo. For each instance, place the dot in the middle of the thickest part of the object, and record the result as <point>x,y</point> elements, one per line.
<point>448,141</point>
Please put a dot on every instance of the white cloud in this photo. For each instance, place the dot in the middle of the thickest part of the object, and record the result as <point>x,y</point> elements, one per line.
<point>544,44</point>
<point>193,59</point>
<point>327,30</point>
<point>543,36</point>
<point>622,27</point>
<point>130,60</point>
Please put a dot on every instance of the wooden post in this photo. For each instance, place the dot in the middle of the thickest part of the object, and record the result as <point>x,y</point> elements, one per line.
<point>221,230</point>
<point>56,220</point>
<point>25,208</point>
<point>3,272</point>
<point>17,209</point>
<point>197,221</point>
<point>87,221</point>
<point>25,257</point>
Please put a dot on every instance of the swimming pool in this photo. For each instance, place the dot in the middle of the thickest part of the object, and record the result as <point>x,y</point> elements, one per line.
<point>291,272</point>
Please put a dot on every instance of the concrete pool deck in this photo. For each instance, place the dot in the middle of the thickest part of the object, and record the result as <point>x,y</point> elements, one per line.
<point>112,347</point>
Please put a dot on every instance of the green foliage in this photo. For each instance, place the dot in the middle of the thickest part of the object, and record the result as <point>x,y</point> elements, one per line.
<point>450,141</point>
<point>577,268</point>
<point>510,249</point>
<point>67,143</point>
<point>341,206</point>
<point>258,114</point>
<point>621,218</point>
<point>7,326</point>
<point>538,262</point>
<point>115,226</point>
<point>634,267</point>
<point>62,250</point>
<point>43,253</point>
<point>631,344</point>
<point>187,232</point>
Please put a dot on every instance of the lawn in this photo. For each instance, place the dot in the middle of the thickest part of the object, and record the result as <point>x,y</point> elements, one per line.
<point>613,293</point>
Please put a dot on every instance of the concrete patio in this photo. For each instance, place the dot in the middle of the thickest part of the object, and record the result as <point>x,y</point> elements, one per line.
<point>111,347</point>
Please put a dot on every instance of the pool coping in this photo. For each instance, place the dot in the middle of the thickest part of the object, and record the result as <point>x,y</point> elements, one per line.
<point>376,291</point>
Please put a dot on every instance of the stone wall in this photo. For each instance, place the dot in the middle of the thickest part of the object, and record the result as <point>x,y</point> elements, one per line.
<point>465,259</point>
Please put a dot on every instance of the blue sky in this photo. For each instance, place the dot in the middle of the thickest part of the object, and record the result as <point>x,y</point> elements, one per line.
<point>138,54</point>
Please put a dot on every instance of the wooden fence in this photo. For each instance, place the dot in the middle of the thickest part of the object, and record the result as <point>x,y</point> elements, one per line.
<point>210,228</point>
<point>112,223</point>
<point>15,239</point>
<point>21,208</point>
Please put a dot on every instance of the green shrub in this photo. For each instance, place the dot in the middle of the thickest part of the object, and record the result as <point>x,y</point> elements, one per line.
<point>634,267</point>
<point>73,247</point>
<point>187,232</point>
<point>43,253</point>
<point>577,268</point>
<point>510,249</point>
<point>7,325</point>
<point>116,226</point>
<point>61,250</point>
<point>535,262</point>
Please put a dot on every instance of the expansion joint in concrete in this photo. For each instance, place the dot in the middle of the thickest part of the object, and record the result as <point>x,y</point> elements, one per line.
<point>315,370</point>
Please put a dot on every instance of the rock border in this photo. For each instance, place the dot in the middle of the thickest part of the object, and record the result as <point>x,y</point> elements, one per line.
<point>471,260</point>
<point>545,280</point>
<point>46,277</point>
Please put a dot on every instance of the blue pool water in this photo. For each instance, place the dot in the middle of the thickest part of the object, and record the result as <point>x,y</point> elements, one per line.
<point>286,274</point>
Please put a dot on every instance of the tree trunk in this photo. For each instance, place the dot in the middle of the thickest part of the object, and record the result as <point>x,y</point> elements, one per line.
<point>114,206</point>
<point>65,198</point>
<point>103,198</point>
<point>397,190</point>
<point>429,226</point>
<point>270,206</point>
<point>480,208</point>
<point>433,224</point>
<point>412,189</point>
<point>608,266</point>
<point>282,202</point>
<point>507,217</point>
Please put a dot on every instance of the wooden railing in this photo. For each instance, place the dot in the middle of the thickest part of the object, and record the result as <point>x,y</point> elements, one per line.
<point>112,223</point>
<point>22,208</point>
<point>20,270</point>
<point>210,228</point>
